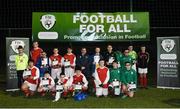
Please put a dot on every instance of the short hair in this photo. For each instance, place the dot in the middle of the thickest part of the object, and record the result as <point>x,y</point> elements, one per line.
<point>101,60</point>
<point>31,60</point>
<point>77,68</point>
<point>46,72</point>
<point>127,62</point>
<point>115,62</point>
<point>109,45</point>
<point>20,47</point>
<point>56,49</point>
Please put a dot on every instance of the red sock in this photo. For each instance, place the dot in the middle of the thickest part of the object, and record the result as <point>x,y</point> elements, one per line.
<point>42,93</point>
<point>65,94</point>
<point>145,81</point>
<point>141,81</point>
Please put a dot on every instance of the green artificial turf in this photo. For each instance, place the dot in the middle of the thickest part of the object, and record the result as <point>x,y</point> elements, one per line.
<point>151,98</point>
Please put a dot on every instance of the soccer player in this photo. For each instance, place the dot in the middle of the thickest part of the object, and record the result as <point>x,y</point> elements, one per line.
<point>46,84</point>
<point>78,82</point>
<point>95,59</point>
<point>129,80</point>
<point>143,59</point>
<point>21,62</point>
<point>101,76</point>
<point>31,81</point>
<point>115,78</point>
<point>55,62</point>
<point>125,58</point>
<point>43,63</point>
<point>69,63</point>
<point>62,87</point>
<point>83,60</point>
<point>133,55</point>
<point>109,56</point>
<point>35,52</point>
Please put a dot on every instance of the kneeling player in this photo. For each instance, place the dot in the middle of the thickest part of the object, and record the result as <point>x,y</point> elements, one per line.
<point>31,77</point>
<point>62,87</point>
<point>129,80</point>
<point>78,82</point>
<point>101,76</point>
<point>115,79</point>
<point>46,84</point>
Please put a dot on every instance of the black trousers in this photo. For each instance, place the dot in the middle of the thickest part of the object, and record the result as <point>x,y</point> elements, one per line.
<point>20,77</point>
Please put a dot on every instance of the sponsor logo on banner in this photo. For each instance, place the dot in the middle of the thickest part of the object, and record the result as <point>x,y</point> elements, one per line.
<point>168,44</point>
<point>48,21</point>
<point>15,44</point>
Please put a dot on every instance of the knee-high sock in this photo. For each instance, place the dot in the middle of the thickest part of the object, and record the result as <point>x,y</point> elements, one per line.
<point>65,94</point>
<point>145,81</point>
<point>141,81</point>
<point>58,96</point>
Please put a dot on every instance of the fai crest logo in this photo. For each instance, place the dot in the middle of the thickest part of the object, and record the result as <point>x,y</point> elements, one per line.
<point>15,44</point>
<point>48,21</point>
<point>168,44</point>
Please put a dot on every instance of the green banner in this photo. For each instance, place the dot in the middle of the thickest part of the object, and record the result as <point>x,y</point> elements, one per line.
<point>118,26</point>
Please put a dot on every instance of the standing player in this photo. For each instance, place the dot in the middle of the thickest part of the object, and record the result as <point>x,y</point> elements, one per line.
<point>35,52</point>
<point>46,84</point>
<point>31,81</point>
<point>143,59</point>
<point>134,56</point>
<point>21,62</point>
<point>125,58</point>
<point>69,63</point>
<point>43,63</point>
<point>55,62</point>
<point>109,56</point>
<point>101,76</point>
<point>83,61</point>
<point>129,80</point>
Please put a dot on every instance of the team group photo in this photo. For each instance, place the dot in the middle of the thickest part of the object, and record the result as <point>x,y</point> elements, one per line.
<point>90,54</point>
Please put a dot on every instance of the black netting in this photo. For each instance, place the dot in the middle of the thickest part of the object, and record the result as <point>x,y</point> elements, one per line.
<point>18,13</point>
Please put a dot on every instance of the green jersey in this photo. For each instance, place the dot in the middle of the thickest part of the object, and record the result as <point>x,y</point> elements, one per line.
<point>115,74</point>
<point>125,59</point>
<point>129,76</point>
<point>21,62</point>
<point>118,55</point>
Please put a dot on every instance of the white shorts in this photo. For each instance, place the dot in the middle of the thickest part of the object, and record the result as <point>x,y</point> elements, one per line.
<point>142,70</point>
<point>31,86</point>
<point>55,73</point>
<point>69,72</point>
<point>99,90</point>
